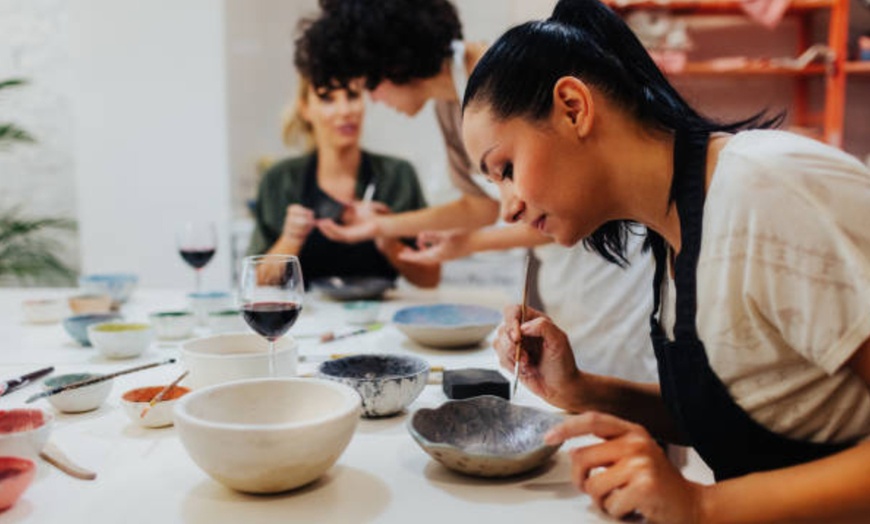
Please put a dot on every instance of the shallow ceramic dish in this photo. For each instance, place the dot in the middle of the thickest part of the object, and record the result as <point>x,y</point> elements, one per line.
<point>353,288</point>
<point>24,432</point>
<point>44,311</point>
<point>77,326</point>
<point>235,356</point>
<point>267,435</point>
<point>16,474</point>
<point>173,325</point>
<point>160,414</point>
<point>119,286</point>
<point>386,383</point>
<point>78,400</point>
<point>121,339</point>
<point>90,303</point>
<point>361,311</point>
<point>447,325</point>
<point>484,436</point>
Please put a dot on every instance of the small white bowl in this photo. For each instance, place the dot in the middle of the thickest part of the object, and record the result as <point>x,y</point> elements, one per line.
<point>236,356</point>
<point>160,415</point>
<point>24,432</point>
<point>79,400</point>
<point>45,311</point>
<point>120,339</point>
<point>203,303</point>
<point>268,435</point>
<point>361,311</point>
<point>173,325</point>
<point>227,321</point>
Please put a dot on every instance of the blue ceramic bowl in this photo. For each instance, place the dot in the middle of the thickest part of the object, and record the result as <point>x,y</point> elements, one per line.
<point>119,286</point>
<point>77,326</point>
<point>447,325</point>
<point>386,383</point>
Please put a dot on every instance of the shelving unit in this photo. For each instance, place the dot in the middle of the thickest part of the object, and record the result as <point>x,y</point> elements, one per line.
<point>835,72</point>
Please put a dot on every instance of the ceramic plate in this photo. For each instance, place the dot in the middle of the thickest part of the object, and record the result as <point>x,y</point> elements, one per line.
<point>484,436</point>
<point>447,325</point>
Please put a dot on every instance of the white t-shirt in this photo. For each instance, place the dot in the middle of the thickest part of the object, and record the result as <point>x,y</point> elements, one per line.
<point>603,308</point>
<point>784,283</point>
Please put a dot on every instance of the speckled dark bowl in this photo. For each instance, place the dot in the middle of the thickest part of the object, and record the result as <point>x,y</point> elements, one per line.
<point>386,383</point>
<point>484,436</point>
<point>353,288</point>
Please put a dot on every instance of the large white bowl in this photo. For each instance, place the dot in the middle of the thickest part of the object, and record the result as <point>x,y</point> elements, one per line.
<point>236,356</point>
<point>447,325</point>
<point>24,432</point>
<point>267,435</point>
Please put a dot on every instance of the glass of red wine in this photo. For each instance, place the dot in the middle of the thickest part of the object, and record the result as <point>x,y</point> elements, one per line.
<point>271,295</point>
<point>197,243</point>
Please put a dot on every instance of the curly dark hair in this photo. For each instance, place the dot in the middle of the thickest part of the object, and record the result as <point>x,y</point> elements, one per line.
<point>396,40</point>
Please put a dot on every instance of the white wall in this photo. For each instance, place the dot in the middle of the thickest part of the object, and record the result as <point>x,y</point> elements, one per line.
<point>150,134</point>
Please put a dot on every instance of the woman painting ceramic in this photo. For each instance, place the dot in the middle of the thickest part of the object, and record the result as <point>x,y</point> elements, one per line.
<point>332,182</point>
<point>761,323</point>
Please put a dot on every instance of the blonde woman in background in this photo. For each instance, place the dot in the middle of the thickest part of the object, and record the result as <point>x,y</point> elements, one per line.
<point>336,179</point>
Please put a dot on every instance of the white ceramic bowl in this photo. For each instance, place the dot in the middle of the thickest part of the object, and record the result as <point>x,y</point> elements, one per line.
<point>159,415</point>
<point>24,432</point>
<point>173,325</point>
<point>447,325</point>
<point>203,303</point>
<point>235,356</point>
<point>361,311</point>
<point>386,383</point>
<point>44,311</point>
<point>268,435</point>
<point>120,339</point>
<point>79,400</point>
<point>119,286</point>
<point>227,321</point>
<point>90,303</point>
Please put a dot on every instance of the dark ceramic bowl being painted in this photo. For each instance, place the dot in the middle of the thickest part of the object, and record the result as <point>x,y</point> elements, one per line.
<point>484,436</point>
<point>447,325</point>
<point>77,326</point>
<point>386,383</point>
<point>353,288</point>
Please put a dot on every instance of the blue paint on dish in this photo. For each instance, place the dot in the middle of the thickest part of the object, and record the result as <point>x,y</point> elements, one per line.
<point>447,315</point>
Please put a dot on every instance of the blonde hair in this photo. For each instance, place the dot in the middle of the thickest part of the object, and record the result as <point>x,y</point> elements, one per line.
<point>296,130</point>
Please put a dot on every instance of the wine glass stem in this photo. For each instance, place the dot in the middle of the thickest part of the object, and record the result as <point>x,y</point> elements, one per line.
<point>198,280</point>
<point>272,358</point>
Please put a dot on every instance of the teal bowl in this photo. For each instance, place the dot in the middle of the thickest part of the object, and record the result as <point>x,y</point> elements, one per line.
<point>77,326</point>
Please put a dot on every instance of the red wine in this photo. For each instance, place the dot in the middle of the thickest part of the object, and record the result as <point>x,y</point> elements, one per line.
<point>197,258</point>
<point>271,319</point>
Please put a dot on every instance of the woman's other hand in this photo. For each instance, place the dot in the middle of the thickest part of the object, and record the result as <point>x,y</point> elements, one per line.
<point>547,366</point>
<point>628,473</point>
<point>434,247</point>
<point>298,224</point>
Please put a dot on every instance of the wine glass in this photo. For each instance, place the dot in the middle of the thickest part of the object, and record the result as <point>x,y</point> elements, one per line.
<point>197,243</point>
<point>271,296</point>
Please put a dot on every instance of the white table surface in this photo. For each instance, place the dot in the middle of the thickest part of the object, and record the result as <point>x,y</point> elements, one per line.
<point>145,476</point>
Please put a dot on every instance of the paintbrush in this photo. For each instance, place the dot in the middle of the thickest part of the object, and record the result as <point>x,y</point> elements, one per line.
<point>526,271</point>
<point>95,380</point>
<point>159,396</point>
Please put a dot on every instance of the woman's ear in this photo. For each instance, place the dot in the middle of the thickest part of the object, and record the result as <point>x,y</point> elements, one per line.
<point>573,105</point>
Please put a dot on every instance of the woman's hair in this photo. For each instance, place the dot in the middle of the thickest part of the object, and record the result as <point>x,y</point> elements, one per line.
<point>585,39</point>
<point>296,130</point>
<point>397,40</point>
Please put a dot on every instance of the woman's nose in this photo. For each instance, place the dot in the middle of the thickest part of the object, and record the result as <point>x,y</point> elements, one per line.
<point>511,206</point>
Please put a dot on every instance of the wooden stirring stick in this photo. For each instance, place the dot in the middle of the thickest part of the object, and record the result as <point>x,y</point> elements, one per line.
<point>159,396</point>
<point>526,271</point>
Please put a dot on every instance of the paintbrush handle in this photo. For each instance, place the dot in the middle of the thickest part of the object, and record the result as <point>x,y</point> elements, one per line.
<point>95,380</point>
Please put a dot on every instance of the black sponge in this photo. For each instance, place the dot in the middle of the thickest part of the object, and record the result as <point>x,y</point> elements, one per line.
<point>466,383</point>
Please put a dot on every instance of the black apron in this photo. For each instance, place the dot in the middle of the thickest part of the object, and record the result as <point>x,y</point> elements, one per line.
<point>727,438</point>
<point>321,257</point>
